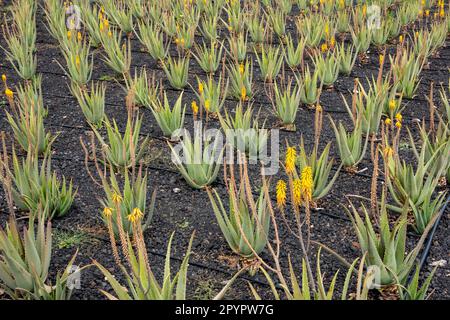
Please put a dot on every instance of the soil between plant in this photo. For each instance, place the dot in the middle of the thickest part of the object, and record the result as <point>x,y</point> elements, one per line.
<point>181,209</point>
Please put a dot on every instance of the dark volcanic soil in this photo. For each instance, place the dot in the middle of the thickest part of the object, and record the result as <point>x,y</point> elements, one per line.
<point>181,209</point>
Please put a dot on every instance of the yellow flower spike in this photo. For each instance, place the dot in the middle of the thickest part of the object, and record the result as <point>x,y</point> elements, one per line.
<point>200,88</point>
<point>324,47</point>
<point>241,69</point>
<point>327,30</point>
<point>110,33</point>
<point>319,108</point>
<point>332,42</point>
<point>297,192</point>
<point>116,198</point>
<point>399,117</point>
<point>281,194</point>
<point>9,93</point>
<point>132,218</point>
<point>101,26</point>
<point>388,121</point>
<point>106,22</point>
<point>137,213</point>
<point>381,59</point>
<point>420,13</point>
<point>207,105</point>
<point>77,60</point>
<point>392,104</point>
<point>307,183</point>
<point>4,78</point>
<point>69,34</point>
<point>79,37</point>
<point>194,107</point>
<point>398,124</point>
<point>364,10</point>
<point>427,13</point>
<point>291,157</point>
<point>400,39</point>
<point>388,152</point>
<point>243,93</point>
<point>107,212</point>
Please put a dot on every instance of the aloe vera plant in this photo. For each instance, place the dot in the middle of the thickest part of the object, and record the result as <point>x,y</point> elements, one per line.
<point>92,103</point>
<point>140,279</point>
<point>122,150</point>
<point>169,120</point>
<point>287,102</point>
<point>385,249</point>
<point>212,94</point>
<point>294,54</point>
<point>117,53</point>
<point>200,160</point>
<point>90,16</point>
<point>351,145</point>
<point>78,58</point>
<point>310,86</point>
<point>120,12</point>
<point>328,68</point>
<point>270,62</point>
<point>300,289</point>
<point>425,212</point>
<point>29,95</point>
<point>241,78</point>
<point>27,124</point>
<point>25,261</point>
<point>368,104</point>
<point>347,58</point>
<point>412,184</point>
<point>177,71</point>
<point>246,224</point>
<point>406,68</point>
<point>20,38</point>
<point>243,132</point>
<point>320,165</point>
<point>37,189</point>
<point>413,291</point>
<point>209,57</point>
<point>145,88</point>
<point>152,37</point>
<point>238,47</point>
<point>132,193</point>
<point>312,29</point>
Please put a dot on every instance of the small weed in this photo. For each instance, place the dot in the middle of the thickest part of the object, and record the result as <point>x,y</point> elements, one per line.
<point>69,239</point>
<point>184,224</point>
<point>205,290</point>
<point>404,145</point>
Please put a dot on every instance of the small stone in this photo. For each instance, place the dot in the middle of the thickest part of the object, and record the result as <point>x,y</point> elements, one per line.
<point>176,190</point>
<point>439,263</point>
